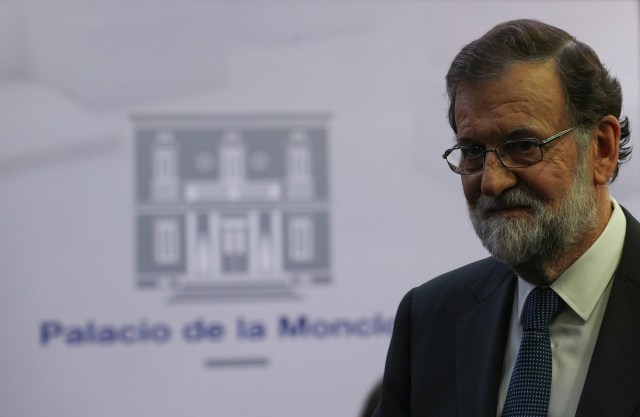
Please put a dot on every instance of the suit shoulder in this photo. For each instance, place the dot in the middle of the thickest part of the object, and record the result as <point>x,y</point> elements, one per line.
<point>464,277</point>
<point>431,311</point>
<point>485,273</point>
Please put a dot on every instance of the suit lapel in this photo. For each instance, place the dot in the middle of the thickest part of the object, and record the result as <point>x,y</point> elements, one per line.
<point>481,337</point>
<point>612,385</point>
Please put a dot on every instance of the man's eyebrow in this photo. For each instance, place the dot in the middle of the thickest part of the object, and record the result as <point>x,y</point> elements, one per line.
<point>465,140</point>
<point>517,133</point>
<point>521,133</point>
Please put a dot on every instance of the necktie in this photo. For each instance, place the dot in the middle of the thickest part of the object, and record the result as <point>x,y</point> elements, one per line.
<point>530,385</point>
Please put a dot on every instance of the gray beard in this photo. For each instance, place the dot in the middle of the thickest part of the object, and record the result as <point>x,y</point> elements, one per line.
<point>532,244</point>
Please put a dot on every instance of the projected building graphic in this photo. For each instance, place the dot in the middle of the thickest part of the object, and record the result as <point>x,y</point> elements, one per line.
<point>232,206</point>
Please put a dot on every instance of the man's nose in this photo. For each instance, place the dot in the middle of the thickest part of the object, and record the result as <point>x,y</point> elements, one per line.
<point>496,177</point>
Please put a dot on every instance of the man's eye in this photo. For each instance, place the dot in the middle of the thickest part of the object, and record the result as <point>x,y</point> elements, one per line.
<point>471,152</point>
<point>519,146</point>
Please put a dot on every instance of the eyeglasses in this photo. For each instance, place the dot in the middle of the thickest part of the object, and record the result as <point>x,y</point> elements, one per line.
<point>519,153</point>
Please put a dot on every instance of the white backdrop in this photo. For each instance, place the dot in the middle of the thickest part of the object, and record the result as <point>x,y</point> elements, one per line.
<point>73,74</point>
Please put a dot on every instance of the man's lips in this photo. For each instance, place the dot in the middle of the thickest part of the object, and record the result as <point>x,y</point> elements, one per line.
<point>506,211</point>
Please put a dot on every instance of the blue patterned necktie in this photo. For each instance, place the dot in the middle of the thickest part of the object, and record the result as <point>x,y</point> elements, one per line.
<point>530,385</point>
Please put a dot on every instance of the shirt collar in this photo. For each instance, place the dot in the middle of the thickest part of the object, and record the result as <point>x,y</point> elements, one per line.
<point>582,284</point>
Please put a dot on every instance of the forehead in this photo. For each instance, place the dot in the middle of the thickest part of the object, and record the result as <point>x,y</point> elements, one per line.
<point>527,96</point>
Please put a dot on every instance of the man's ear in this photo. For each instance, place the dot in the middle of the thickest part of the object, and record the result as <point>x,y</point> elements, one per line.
<point>606,148</point>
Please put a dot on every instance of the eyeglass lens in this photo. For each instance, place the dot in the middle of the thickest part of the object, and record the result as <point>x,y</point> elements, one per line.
<point>513,154</point>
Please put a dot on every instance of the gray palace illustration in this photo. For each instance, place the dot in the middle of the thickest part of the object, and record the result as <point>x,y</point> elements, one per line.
<point>232,207</point>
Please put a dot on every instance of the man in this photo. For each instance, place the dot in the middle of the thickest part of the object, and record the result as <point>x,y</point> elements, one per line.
<point>538,137</point>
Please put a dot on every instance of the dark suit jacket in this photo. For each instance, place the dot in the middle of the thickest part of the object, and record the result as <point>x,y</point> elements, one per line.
<point>447,350</point>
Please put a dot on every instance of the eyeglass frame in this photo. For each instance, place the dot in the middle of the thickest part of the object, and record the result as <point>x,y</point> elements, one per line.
<point>485,151</point>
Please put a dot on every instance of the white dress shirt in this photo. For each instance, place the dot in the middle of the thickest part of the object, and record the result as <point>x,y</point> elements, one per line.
<point>585,288</point>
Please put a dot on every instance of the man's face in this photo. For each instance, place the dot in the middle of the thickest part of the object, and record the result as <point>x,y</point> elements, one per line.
<point>525,217</point>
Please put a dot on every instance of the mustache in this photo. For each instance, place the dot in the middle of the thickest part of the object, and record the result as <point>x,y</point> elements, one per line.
<point>514,198</point>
